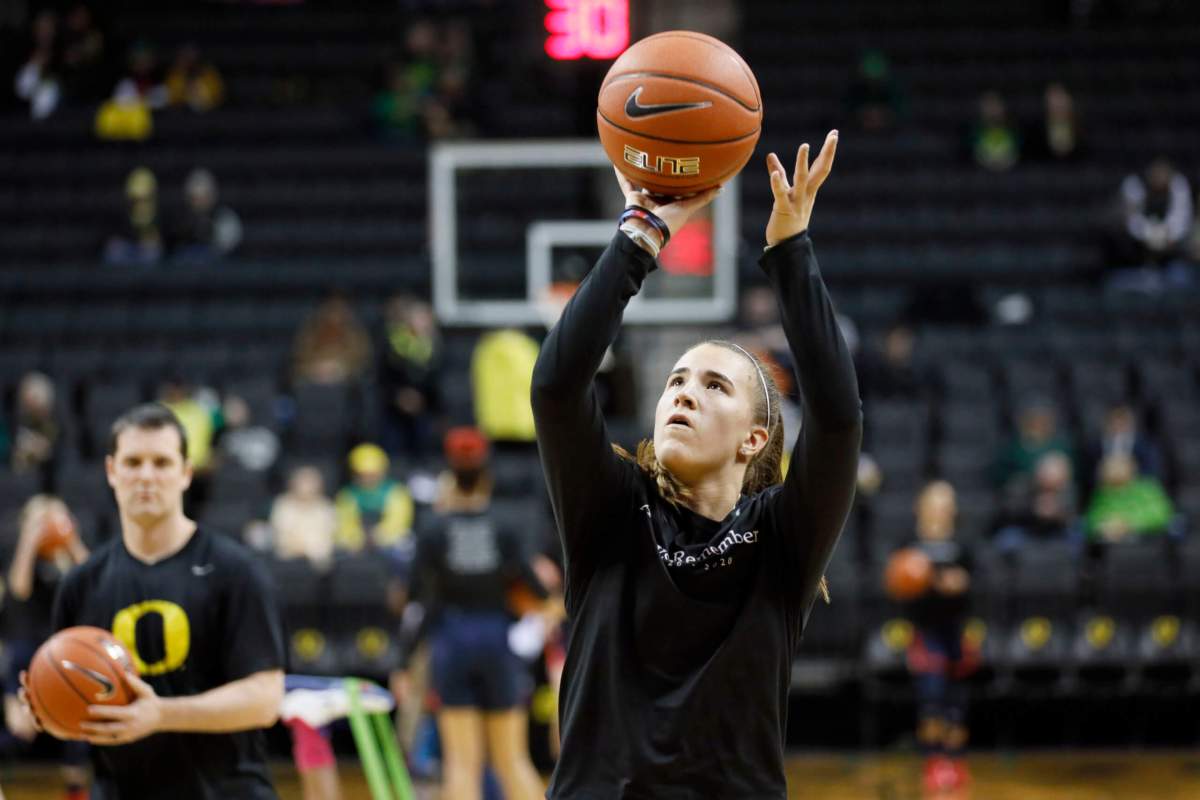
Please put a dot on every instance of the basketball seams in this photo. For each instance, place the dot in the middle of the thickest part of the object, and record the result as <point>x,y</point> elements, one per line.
<point>35,698</point>
<point>681,79</point>
<point>66,679</point>
<point>623,129</point>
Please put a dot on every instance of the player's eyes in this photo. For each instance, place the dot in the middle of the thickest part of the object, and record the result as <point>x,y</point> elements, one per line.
<point>717,384</point>
<point>675,381</point>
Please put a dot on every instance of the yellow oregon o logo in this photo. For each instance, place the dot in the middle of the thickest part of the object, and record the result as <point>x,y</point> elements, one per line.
<point>177,634</point>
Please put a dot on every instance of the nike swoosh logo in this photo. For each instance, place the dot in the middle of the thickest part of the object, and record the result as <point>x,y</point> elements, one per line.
<point>636,110</point>
<point>201,570</point>
<point>109,689</point>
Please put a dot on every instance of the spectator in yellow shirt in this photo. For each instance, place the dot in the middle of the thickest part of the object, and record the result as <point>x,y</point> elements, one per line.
<point>374,510</point>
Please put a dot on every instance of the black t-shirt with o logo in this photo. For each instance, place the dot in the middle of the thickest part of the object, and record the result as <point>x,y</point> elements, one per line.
<point>194,621</point>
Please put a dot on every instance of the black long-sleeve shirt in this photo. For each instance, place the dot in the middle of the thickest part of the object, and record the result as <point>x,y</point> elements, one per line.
<point>684,629</point>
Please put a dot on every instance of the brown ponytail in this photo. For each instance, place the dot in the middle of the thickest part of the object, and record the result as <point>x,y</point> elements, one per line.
<point>765,468</point>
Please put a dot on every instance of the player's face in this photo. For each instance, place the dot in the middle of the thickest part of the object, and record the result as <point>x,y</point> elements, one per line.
<point>148,474</point>
<point>705,417</point>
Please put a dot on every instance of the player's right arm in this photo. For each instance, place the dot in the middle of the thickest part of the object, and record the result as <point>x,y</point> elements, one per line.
<point>585,478</point>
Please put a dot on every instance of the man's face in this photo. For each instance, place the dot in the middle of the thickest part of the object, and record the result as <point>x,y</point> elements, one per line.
<point>148,474</point>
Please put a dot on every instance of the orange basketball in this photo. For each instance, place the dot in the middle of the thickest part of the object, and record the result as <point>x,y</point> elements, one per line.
<point>908,575</point>
<point>679,112</point>
<point>76,668</point>
<point>58,529</point>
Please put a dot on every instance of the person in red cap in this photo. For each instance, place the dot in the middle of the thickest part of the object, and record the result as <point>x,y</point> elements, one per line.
<point>466,563</point>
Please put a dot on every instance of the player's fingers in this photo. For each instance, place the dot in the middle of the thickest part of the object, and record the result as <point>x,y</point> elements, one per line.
<point>693,204</point>
<point>824,163</point>
<point>139,686</point>
<point>623,182</point>
<point>110,712</point>
<point>94,728</point>
<point>775,165</point>
<point>779,188</point>
<point>800,175</point>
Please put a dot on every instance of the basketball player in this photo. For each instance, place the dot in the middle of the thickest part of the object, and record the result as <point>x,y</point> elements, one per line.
<point>465,563</point>
<point>690,568</point>
<point>198,615</point>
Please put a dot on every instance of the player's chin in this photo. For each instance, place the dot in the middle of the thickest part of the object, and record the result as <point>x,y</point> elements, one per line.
<point>673,453</point>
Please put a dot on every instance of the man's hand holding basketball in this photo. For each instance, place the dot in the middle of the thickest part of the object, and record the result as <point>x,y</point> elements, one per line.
<point>125,724</point>
<point>794,204</point>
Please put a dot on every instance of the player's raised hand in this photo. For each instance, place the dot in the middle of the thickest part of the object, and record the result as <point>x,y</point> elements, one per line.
<point>124,724</point>
<point>794,202</point>
<point>675,213</point>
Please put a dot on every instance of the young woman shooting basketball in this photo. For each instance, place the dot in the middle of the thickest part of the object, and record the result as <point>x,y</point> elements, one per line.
<point>691,568</point>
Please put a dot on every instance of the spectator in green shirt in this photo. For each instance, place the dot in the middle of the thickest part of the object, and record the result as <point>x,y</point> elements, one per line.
<point>1127,505</point>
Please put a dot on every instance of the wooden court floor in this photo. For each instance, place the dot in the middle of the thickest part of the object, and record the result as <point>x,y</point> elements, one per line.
<point>1023,776</point>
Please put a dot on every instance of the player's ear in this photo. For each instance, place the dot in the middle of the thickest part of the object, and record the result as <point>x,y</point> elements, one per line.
<point>754,441</point>
<point>110,469</point>
<point>188,473</point>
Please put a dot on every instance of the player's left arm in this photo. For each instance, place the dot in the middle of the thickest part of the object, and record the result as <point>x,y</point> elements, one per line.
<point>811,507</point>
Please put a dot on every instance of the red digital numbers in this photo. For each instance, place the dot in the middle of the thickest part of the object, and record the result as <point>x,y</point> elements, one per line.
<point>586,29</point>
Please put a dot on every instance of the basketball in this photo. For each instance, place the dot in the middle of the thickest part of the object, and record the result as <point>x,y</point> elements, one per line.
<point>908,575</point>
<point>75,668</point>
<point>58,529</point>
<point>679,112</point>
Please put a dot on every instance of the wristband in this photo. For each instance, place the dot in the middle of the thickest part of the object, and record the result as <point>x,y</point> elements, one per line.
<point>640,236</point>
<point>650,218</point>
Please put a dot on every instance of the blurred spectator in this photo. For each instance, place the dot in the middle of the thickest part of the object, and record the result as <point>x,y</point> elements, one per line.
<point>410,371</point>
<point>127,114</point>
<point>194,82</point>
<point>35,430</point>
<point>47,546</point>
<point>427,92</point>
<point>199,413</point>
<point>1058,135</point>
<point>37,81</point>
<point>143,77</point>
<point>501,380</point>
<point>85,71</point>
<point>332,346</point>
<point>875,98</point>
<point>253,447</point>
<point>205,230</point>
<point>892,373</point>
<point>1127,505</point>
<point>940,657</point>
<point>139,240</point>
<point>1149,251</point>
<point>993,140</point>
<point>374,510</point>
<point>304,519</point>
<point>1121,435</point>
<point>1042,506</point>
<point>398,110</point>
<point>1037,434</point>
